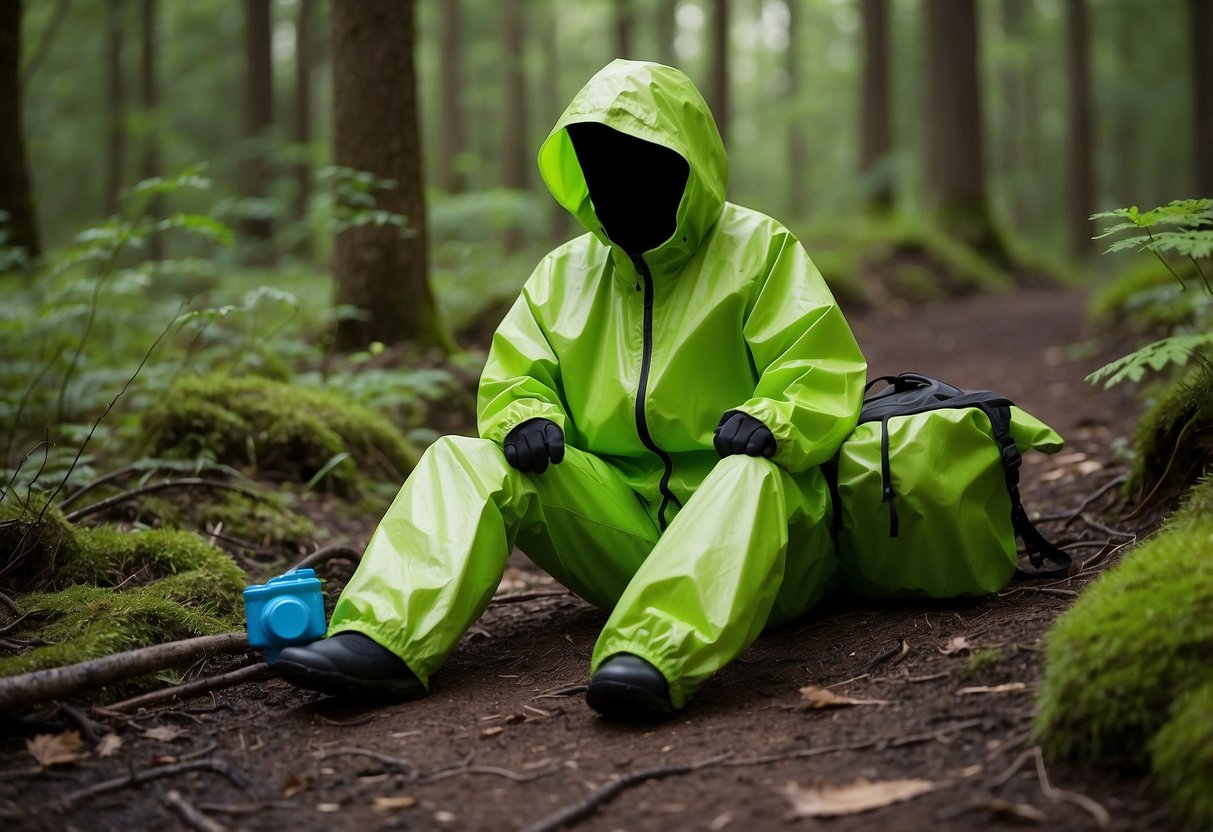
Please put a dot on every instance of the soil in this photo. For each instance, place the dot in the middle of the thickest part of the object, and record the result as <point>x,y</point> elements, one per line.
<point>505,738</point>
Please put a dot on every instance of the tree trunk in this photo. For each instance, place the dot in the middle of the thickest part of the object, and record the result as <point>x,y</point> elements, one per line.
<point>1016,128</point>
<point>623,28</point>
<point>515,159</point>
<point>1202,91</point>
<point>375,129</point>
<point>305,62</point>
<point>16,196</point>
<point>559,219</point>
<point>1080,181</point>
<point>664,28</point>
<point>149,164</point>
<point>875,143</point>
<point>955,156</point>
<point>1126,135</point>
<point>798,174</point>
<point>452,140</point>
<point>718,86</point>
<point>258,120</point>
<point>115,108</point>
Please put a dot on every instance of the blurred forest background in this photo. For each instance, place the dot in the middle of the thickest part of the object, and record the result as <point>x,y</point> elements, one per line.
<point>343,195</point>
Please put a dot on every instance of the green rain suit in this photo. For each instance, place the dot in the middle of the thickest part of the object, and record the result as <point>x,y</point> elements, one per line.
<point>636,359</point>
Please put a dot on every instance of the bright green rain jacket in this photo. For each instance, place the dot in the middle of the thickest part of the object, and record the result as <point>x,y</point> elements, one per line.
<point>637,361</point>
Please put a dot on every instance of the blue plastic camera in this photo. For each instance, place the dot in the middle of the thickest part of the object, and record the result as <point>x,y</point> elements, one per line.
<point>283,611</point>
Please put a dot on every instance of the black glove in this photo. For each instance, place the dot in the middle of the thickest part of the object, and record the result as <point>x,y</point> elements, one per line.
<point>529,446</point>
<point>741,433</point>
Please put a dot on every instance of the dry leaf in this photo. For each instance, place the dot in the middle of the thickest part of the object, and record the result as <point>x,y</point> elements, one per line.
<point>492,732</point>
<point>955,645</point>
<point>391,804</point>
<point>52,750</point>
<point>823,698</point>
<point>109,745</point>
<point>860,796</point>
<point>328,807</point>
<point>1007,688</point>
<point>165,733</point>
<point>293,786</point>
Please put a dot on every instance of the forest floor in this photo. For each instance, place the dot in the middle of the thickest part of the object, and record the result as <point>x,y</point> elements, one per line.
<point>505,739</point>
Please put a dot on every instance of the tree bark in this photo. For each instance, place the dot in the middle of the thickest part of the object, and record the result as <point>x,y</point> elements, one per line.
<point>718,86</point>
<point>1126,136</point>
<point>305,62</point>
<point>258,120</point>
<point>515,158</point>
<point>797,166</point>
<point>149,163</point>
<point>16,194</point>
<point>875,142</point>
<point>1080,179</point>
<point>623,28</point>
<point>1201,19</point>
<point>1017,127</point>
<point>955,155</point>
<point>664,28</point>
<point>115,107</point>
<point>452,141</point>
<point>375,128</point>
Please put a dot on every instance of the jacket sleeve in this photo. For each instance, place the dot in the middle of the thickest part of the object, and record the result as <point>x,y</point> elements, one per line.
<point>521,378</point>
<point>811,372</point>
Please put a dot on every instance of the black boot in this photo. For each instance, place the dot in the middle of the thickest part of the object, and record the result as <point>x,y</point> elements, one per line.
<point>629,689</point>
<point>349,664</point>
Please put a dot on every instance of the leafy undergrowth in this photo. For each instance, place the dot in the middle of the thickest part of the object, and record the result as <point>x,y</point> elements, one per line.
<point>102,590</point>
<point>301,435</point>
<point>1121,661</point>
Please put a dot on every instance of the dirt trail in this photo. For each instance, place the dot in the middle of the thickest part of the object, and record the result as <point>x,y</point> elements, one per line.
<point>505,739</point>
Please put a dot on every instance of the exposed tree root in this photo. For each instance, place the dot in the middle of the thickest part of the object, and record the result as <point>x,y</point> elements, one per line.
<point>249,673</point>
<point>138,778</point>
<point>56,683</point>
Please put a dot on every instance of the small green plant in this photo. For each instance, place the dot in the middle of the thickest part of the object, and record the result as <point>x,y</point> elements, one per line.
<point>1184,228</point>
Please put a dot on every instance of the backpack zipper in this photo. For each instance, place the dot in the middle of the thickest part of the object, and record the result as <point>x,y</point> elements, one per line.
<point>642,423</point>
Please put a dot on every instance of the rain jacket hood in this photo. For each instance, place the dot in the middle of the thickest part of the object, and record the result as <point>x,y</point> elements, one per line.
<point>654,103</point>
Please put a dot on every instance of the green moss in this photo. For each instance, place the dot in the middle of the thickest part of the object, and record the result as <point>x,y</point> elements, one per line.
<point>1134,641</point>
<point>106,590</point>
<point>1174,439</point>
<point>264,522</point>
<point>1182,756</point>
<point>274,427</point>
<point>982,661</point>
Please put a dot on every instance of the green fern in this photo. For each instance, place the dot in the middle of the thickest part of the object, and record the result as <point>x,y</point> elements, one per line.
<point>1175,350</point>
<point>1192,236</point>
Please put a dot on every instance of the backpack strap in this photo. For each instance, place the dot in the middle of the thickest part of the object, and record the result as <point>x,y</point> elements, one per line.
<point>886,478</point>
<point>1037,546</point>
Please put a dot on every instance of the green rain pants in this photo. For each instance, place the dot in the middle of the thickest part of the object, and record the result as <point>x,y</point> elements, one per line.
<point>751,548</point>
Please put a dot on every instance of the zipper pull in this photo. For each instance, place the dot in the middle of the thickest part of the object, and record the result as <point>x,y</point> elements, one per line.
<point>639,265</point>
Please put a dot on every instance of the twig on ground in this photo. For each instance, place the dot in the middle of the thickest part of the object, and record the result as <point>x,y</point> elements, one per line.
<point>1074,514</point>
<point>570,815</point>
<point>860,745</point>
<point>214,764</point>
<point>897,652</point>
<point>57,683</point>
<point>167,485</point>
<point>10,603</point>
<point>97,483</point>
<point>1065,593</point>
<point>398,763</point>
<point>494,770</point>
<point>248,673</point>
<point>246,808</point>
<point>567,690</point>
<point>78,718</point>
<point>1048,790</point>
<point>530,595</point>
<point>1108,530</point>
<point>329,553</point>
<point>190,814</point>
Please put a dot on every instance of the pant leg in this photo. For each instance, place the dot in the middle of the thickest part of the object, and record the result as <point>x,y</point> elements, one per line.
<point>751,547</point>
<point>436,558</point>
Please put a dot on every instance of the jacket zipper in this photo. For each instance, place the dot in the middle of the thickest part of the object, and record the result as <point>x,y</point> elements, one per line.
<point>642,423</point>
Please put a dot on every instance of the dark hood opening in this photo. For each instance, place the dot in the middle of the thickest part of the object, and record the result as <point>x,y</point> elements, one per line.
<point>635,185</point>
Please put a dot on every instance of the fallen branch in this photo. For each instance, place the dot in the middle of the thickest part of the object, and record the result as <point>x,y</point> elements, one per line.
<point>398,763</point>
<point>10,603</point>
<point>861,745</point>
<point>214,764</point>
<point>570,815</point>
<point>328,553</point>
<point>1070,516</point>
<point>167,485</point>
<point>249,673</point>
<point>190,814</point>
<point>1108,530</point>
<point>530,595</point>
<point>59,682</point>
<point>1098,812</point>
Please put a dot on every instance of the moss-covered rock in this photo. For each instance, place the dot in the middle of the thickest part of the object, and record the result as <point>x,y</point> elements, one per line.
<point>103,590</point>
<point>1136,640</point>
<point>1174,439</point>
<point>280,429</point>
<point>1182,755</point>
<point>265,522</point>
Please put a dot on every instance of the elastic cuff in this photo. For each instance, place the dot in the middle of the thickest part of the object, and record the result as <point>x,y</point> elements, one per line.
<point>678,692</point>
<point>383,640</point>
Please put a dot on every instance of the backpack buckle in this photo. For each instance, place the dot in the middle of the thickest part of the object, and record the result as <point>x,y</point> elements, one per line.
<point>1011,457</point>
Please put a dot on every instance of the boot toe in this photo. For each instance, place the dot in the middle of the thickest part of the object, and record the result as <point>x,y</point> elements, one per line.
<point>349,664</point>
<point>630,689</point>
